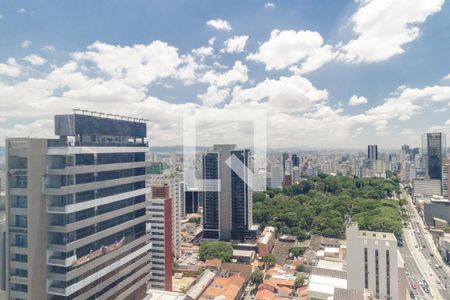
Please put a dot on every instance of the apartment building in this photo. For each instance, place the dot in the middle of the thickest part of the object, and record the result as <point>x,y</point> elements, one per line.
<point>374,263</point>
<point>76,210</point>
<point>159,226</point>
<point>174,180</point>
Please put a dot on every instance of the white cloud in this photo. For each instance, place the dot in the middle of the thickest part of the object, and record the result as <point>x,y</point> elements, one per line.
<point>355,100</point>
<point>203,51</point>
<point>287,94</point>
<point>219,24</point>
<point>289,47</point>
<point>446,77</point>
<point>35,59</point>
<point>383,27</point>
<point>269,5</point>
<point>21,10</point>
<point>48,48</point>
<point>26,44</point>
<point>11,68</point>
<point>235,44</point>
<point>237,74</point>
<point>138,65</point>
<point>211,41</point>
<point>214,96</point>
<point>408,131</point>
<point>402,107</point>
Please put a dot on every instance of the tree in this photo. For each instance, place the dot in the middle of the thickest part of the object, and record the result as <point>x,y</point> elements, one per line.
<point>299,281</point>
<point>296,251</point>
<point>269,260</point>
<point>216,249</point>
<point>257,277</point>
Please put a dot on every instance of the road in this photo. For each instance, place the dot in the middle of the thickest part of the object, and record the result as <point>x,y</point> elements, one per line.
<point>423,257</point>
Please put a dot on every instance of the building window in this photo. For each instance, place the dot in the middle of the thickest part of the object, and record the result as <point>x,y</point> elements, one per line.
<point>366,271</point>
<point>377,275</point>
<point>388,275</point>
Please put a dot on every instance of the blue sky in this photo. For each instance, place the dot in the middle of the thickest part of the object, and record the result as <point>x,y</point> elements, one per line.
<point>390,55</point>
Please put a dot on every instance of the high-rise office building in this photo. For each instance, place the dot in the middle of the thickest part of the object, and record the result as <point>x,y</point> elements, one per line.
<point>372,152</point>
<point>159,225</point>
<point>295,160</point>
<point>191,201</point>
<point>284,158</point>
<point>76,210</point>
<point>374,263</point>
<point>227,197</point>
<point>433,151</point>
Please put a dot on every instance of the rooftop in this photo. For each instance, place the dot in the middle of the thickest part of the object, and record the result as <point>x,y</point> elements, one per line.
<point>227,288</point>
<point>153,294</point>
<point>384,236</point>
<point>201,284</point>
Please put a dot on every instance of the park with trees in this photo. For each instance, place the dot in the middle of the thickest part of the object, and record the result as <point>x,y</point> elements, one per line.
<point>320,205</point>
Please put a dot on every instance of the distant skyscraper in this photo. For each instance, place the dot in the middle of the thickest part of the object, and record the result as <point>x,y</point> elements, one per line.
<point>433,151</point>
<point>283,161</point>
<point>227,211</point>
<point>295,160</point>
<point>445,177</point>
<point>374,263</point>
<point>191,200</point>
<point>77,211</point>
<point>372,152</point>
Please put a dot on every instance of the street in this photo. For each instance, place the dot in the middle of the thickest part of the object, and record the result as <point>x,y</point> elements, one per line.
<point>422,259</point>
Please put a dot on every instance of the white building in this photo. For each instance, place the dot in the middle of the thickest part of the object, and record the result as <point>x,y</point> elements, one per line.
<point>374,263</point>
<point>277,177</point>
<point>176,190</point>
<point>426,188</point>
<point>158,225</point>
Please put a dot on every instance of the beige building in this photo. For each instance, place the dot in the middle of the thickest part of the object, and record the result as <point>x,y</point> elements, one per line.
<point>374,263</point>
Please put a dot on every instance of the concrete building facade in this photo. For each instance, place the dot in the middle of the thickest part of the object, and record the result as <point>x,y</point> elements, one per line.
<point>227,196</point>
<point>374,263</point>
<point>159,226</point>
<point>76,211</point>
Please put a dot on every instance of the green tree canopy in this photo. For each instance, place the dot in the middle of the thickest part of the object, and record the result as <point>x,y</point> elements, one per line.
<point>257,277</point>
<point>319,205</point>
<point>216,249</point>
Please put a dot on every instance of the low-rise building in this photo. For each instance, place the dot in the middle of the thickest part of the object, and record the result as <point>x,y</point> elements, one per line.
<point>243,256</point>
<point>200,285</point>
<point>266,241</point>
<point>323,283</point>
<point>426,188</point>
<point>153,294</point>
<point>436,207</point>
<point>444,247</point>
<point>225,288</point>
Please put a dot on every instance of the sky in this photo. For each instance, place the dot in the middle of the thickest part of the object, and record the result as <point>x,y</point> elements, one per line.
<point>331,73</point>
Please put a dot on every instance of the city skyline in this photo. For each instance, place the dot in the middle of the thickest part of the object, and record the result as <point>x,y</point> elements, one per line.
<point>229,56</point>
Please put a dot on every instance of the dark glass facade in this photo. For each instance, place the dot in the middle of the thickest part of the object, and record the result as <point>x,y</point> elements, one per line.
<point>211,197</point>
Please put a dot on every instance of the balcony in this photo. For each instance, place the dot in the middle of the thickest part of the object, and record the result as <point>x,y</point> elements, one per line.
<point>58,289</point>
<point>70,208</point>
